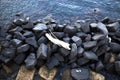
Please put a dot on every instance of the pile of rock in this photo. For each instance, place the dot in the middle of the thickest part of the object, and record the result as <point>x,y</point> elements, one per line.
<point>93,43</point>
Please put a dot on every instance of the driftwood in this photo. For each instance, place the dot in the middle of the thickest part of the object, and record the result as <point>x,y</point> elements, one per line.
<point>58,42</point>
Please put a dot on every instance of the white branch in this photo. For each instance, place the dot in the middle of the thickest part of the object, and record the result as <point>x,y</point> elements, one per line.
<point>58,42</point>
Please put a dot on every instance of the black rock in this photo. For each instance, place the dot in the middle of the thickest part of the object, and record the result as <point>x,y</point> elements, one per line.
<point>85,27</point>
<point>81,35</point>
<point>32,41</point>
<point>82,61</point>
<point>117,34</point>
<point>28,34</point>
<point>40,27</point>
<point>60,28</point>
<point>105,41</point>
<point>19,59</point>
<point>115,47</point>
<point>42,51</point>
<point>73,60</point>
<point>42,40</point>
<point>66,39</point>
<point>8,37</point>
<point>30,61</point>
<point>70,30</point>
<point>59,57</point>
<point>88,37</point>
<point>113,27</point>
<point>73,52</point>
<point>17,29</point>
<point>59,34</point>
<point>99,66</point>
<point>90,55</point>
<point>80,74</point>
<point>4,59</point>
<point>18,22</point>
<point>89,44</point>
<point>106,20</point>
<point>23,48</point>
<point>5,43</point>
<point>52,62</point>
<point>64,51</point>
<point>19,35</point>
<point>80,51</point>
<point>98,37</point>
<point>16,42</point>
<point>110,67</point>
<point>118,57</point>
<point>107,57</point>
<point>74,65</point>
<point>117,67</point>
<point>54,48</point>
<point>77,40</point>
<point>29,25</point>
<point>101,50</point>
<point>92,66</point>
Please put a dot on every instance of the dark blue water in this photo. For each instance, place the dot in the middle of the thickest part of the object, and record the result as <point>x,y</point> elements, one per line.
<point>60,9</point>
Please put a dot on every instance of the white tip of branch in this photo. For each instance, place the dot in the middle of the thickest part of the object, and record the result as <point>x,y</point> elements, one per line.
<point>58,42</point>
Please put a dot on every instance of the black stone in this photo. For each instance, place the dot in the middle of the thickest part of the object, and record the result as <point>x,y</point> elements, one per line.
<point>42,51</point>
<point>117,67</point>
<point>64,51</point>
<point>89,44</point>
<point>101,50</point>
<point>70,30</point>
<point>81,35</point>
<point>54,48</point>
<point>115,47</point>
<point>113,27</point>
<point>52,62</point>
<point>117,34</point>
<point>106,20</point>
<point>99,66</point>
<point>80,74</point>
<point>73,52</point>
<point>23,48</point>
<point>82,61</point>
<point>16,42</point>
<point>18,22</point>
<point>8,37</point>
<point>59,34</point>
<point>19,35</point>
<point>80,51</point>
<point>66,39</point>
<point>60,28</point>
<point>32,41</point>
<point>42,40</point>
<point>29,25</point>
<point>19,59</point>
<point>28,34</point>
<point>77,40</point>
<point>85,27</point>
<point>17,29</point>
<point>110,67</point>
<point>88,37</point>
<point>98,37</point>
<point>4,59</point>
<point>107,57</point>
<point>30,61</point>
<point>40,27</point>
<point>90,55</point>
<point>59,57</point>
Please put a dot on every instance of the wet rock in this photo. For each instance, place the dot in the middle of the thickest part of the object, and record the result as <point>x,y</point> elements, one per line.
<point>117,67</point>
<point>77,40</point>
<point>28,34</point>
<point>80,51</point>
<point>82,61</point>
<point>32,41</point>
<point>42,51</point>
<point>18,22</point>
<point>113,27</point>
<point>59,34</point>
<point>19,59</point>
<point>96,76</point>
<point>66,75</point>
<point>16,42</point>
<point>90,55</point>
<point>40,27</point>
<point>102,28</point>
<point>66,39</point>
<point>85,27</point>
<point>30,61</point>
<point>89,44</point>
<point>19,35</point>
<point>52,62</point>
<point>47,74</point>
<point>70,30</point>
<point>73,53</point>
<point>59,57</point>
<point>17,29</point>
<point>42,40</point>
<point>23,48</point>
<point>64,51</point>
<point>80,74</point>
<point>99,66</point>
<point>29,25</point>
<point>98,37</point>
<point>115,47</point>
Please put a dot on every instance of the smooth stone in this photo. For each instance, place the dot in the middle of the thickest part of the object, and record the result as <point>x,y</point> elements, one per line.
<point>85,27</point>
<point>59,34</point>
<point>81,35</point>
<point>77,40</point>
<point>88,37</point>
<point>73,52</point>
<point>52,62</point>
<point>64,51</point>
<point>42,51</point>
<point>98,37</point>
<point>30,61</point>
<point>40,27</point>
<point>117,67</point>
<point>23,48</point>
<point>28,34</point>
<point>4,59</point>
<point>110,67</point>
<point>16,42</point>
<point>99,66</point>
<point>102,28</point>
<point>59,57</point>
<point>106,20</point>
<point>42,40</point>
<point>115,47</point>
<point>80,51</point>
<point>90,55</point>
<point>101,50</point>
<point>117,34</point>
<point>89,44</point>
<point>54,48</point>
<point>8,37</point>
<point>113,27</point>
<point>19,35</point>
<point>19,59</point>
<point>29,25</point>
<point>70,30</point>
<point>60,28</point>
<point>82,61</point>
<point>18,22</point>
<point>32,41</point>
<point>80,74</point>
<point>107,57</point>
<point>17,29</point>
<point>66,39</point>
